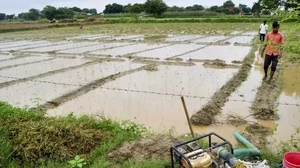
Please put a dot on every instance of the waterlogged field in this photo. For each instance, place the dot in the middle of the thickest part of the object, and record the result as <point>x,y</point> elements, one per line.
<point>140,73</point>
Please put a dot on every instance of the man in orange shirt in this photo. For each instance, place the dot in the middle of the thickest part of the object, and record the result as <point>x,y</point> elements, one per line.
<point>274,41</point>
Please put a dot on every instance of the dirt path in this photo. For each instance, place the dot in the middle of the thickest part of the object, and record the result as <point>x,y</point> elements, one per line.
<point>206,116</point>
<point>86,88</point>
<point>264,105</point>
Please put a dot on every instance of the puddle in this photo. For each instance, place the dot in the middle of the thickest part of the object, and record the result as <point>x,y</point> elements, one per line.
<point>60,47</point>
<point>240,40</point>
<point>99,46</point>
<point>39,68</point>
<point>90,73</point>
<point>160,112</point>
<point>21,61</point>
<point>210,39</point>
<point>226,53</point>
<point>120,51</point>
<point>183,38</point>
<point>169,51</point>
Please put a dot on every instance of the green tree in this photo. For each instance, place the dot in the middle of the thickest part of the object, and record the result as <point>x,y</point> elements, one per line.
<point>10,16</point>
<point>2,16</point>
<point>155,7</point>
<point>93,11</point>
<point>176,9</point>
<point>214,8</point>
<point>271,4</point>
<point>76,9</point>
<point>291,4</point>
<point>136,8</point>
<point>49,12</point>
<point>245,8</point>
<point>86,10</point>
<point>114,8</point>
<point>228,4</point>
<point>195,8</point>
<point>64,13</point>
<point>256,8</point>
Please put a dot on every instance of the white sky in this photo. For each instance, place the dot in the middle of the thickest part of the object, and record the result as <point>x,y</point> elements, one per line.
<point>18,6</point>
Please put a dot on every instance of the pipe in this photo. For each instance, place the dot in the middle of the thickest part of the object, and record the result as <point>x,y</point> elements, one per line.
<point>244,141</point>
<point>251,150</point>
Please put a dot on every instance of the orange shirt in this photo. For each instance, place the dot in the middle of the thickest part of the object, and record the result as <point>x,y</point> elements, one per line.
<point>274,42</point>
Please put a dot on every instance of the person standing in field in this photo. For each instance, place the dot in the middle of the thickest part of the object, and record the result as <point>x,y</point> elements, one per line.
<point>263,30</point>
<point>273,47</point>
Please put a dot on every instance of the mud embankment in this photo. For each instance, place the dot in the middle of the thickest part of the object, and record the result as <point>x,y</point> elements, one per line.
<point>206,116</point>
<point>264,105</point>
<point>86,88</point>
<point>32,78</point>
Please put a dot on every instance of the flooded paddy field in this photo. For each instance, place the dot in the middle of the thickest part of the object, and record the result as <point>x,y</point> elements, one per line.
<point>141,80</point>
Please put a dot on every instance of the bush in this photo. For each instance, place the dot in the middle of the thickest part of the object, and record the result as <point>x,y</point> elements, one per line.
<point>36,138</point>
<point>5,150</point>
<point>189,14</point>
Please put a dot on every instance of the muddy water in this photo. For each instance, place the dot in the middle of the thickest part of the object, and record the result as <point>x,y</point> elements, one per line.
<point>19,43</point>
<point>41,43</point>
<point>39,68</point>
<point>226,53</point>
<point>98,37</point>
<point>32,93</point>
<point>250,33</point>
<point>210,39</point>
<point>90,73</point>
<point>235,32</point>
<point>289,115</point>
<point>183,38</point>
<point>4,57</point>
<point>127,37</point>
<point>61,47</point>
<point>120,51</point>
<point>22,61</point>
<point>240,40</point>
<point>39,92</point>
<point>84,36</point>
<point>99,46</point>
<point>160,112</point>
<point>169,51</point>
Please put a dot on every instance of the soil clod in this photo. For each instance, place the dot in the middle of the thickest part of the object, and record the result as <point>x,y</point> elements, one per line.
<point>150,148</point>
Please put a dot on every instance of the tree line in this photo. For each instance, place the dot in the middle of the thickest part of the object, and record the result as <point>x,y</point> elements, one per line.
<point>153,7</point>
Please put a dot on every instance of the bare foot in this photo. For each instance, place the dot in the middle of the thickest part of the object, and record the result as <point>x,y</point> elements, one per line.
<point>264,79</point>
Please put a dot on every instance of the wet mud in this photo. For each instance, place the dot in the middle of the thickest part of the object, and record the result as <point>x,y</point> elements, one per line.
<point>264,105</point>
<point>257,134</point>
<point>28,63</point>
<point>219,64</point>
<point>145,61</point>
<point>86,88</point>
<point>149,148</point>
<point>206,116</point>
<point>32,78</point>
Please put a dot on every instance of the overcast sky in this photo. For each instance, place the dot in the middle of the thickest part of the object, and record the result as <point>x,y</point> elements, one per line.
<point>18,6</point>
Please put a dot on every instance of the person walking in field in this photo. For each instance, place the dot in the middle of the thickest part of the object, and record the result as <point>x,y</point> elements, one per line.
<point>263,30</point>
<point>273,47</point>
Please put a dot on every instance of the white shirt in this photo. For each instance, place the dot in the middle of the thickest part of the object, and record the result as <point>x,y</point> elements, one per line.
<point>263,28</point>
